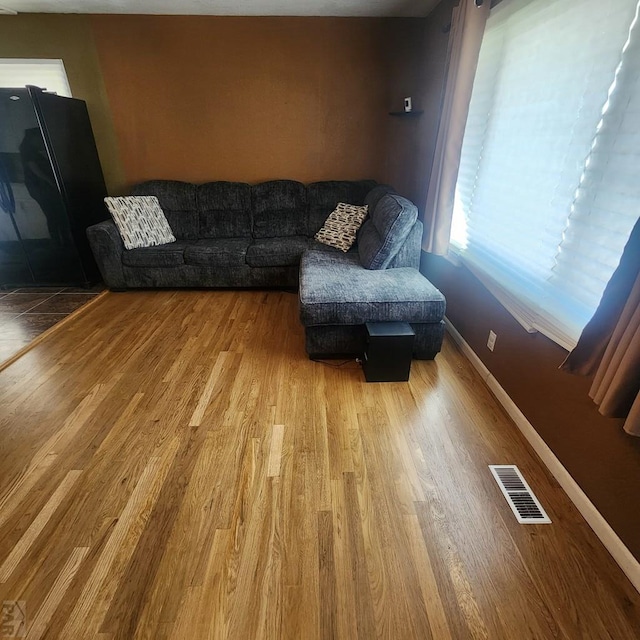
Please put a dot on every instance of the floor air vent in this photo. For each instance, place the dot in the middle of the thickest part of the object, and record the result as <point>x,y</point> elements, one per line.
<point>523,503</point>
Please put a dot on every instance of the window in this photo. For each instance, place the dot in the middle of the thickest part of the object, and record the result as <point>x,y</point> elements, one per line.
<point>46,74</point>
<point>549,183</point>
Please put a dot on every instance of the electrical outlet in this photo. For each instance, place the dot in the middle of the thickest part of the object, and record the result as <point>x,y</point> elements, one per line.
<point>491,342</point>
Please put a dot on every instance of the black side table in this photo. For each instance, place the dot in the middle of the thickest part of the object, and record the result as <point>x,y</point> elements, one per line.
<point>388,353</point>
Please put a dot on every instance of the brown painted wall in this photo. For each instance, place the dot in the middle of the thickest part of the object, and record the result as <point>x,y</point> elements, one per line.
<point>603,460</point>
<point>418,59</point>
<point>251,99</point>
<point>68,37</point>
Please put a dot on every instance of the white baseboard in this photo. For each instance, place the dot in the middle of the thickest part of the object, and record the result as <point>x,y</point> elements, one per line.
<point>600,526</point>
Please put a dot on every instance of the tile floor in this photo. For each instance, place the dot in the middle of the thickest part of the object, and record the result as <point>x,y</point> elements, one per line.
<point>26,313</point>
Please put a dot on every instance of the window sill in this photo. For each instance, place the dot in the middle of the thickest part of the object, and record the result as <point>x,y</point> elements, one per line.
<point>530,317</point>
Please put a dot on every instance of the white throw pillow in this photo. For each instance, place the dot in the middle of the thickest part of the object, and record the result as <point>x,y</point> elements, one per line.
<point>140,221</point>
<point>340,228</point>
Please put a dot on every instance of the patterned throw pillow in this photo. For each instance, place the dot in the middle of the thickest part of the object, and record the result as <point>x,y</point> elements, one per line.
<point>340,228</point>
<point>140,220</point>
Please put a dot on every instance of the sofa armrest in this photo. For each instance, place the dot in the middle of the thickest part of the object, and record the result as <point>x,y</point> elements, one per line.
<point>107,247</point>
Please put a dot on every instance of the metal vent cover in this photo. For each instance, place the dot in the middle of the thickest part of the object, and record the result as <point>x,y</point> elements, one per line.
<point>518,494</point>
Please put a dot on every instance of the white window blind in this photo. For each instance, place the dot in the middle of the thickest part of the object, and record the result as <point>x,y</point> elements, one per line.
<point>549,182</point>
<point>46,74</point>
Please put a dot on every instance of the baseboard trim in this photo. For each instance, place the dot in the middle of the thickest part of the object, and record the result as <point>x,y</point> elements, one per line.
<point>623,557</point>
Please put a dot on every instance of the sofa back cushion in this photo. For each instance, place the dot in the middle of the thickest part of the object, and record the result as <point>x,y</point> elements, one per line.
<point>279,209</point>
<point>178,201</point>
<point>376,194</point>
<point>409,253</point>
<point>324,196</point>
<point>382,236</point>
<point>224,209</point>
<point>373,197</point>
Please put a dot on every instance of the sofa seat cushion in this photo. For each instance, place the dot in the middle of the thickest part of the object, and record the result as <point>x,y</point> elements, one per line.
<point>277,252</point>
<point>382,236</point>
<point>314,245</point>
<point>225,252</point>
<point>336,290</point>
<point>166,255</point>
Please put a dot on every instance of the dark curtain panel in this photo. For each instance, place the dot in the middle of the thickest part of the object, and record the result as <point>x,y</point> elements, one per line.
<point>609,347</point>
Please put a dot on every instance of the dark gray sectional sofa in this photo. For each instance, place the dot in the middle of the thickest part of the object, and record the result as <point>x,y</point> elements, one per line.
<point>231,234</point>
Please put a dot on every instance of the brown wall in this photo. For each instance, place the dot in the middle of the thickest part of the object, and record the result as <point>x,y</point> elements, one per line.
<point>68,37</point>
<point>603,460</point>
<point>418,59</point>
<point>251,99</point>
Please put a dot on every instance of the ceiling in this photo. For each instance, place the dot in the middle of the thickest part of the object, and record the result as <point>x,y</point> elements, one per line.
<point>346,8</point>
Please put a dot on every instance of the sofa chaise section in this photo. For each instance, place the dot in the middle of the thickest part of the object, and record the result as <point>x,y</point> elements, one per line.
<point>338,295</point>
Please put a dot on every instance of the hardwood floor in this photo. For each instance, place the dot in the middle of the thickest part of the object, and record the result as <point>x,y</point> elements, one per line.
<point>174,467</point>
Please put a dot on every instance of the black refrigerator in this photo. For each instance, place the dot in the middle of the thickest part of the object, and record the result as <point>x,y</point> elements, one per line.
<point>51,190</point>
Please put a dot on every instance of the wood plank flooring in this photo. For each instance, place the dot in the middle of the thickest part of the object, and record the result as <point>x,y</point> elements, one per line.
<point>175,468</point>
